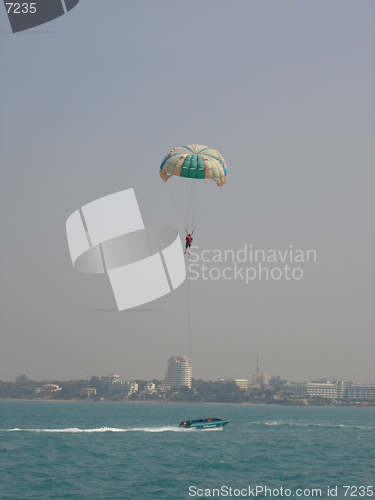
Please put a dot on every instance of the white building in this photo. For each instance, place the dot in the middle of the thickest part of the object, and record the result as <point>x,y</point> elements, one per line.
<point>361,391</point>
<point>133,387</point>
<point>114,384</point>
<point>299,389</point>
<point>123,386</point>
<point>264,378</point>
<point>149,388</point>
<point>179,373</point>
<point>51,387</point>
<point>326,390</point>
<point>117,385</point>
<point>342,389</point>
<point>337,389</point>
<point>87,392</point>
<point>242,383</point>
<point>106,381</point>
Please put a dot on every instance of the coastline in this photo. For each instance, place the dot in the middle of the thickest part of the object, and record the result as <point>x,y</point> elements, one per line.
<point>352,405</point>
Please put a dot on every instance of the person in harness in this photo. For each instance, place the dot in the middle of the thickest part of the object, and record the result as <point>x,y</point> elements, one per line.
<point>188,240</point>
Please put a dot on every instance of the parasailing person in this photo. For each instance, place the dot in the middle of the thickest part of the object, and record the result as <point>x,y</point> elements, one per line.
<point>188,241</point>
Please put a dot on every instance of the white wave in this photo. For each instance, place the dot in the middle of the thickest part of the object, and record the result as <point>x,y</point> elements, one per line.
<point>76,430</point>
<point>313,424</point>
<point>335,426</point>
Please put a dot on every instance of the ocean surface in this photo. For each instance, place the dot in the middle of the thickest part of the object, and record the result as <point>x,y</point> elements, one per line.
<point>100,450</point>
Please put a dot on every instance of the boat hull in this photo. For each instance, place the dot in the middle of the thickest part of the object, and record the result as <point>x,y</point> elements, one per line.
<point>205,423</point>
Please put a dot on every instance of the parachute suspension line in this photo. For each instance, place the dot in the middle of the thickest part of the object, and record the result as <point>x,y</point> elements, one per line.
<point>191,199</point>
<point>205,205</point>
<point>194,204</point>
<point>209,202</point>
<point>191,205</point>
<point>201,200</point>
<point>176,202</point>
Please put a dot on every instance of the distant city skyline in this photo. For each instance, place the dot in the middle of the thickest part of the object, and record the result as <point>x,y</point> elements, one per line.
<point>178,386</point>
<point>179,374</point>
<point>179,363</point>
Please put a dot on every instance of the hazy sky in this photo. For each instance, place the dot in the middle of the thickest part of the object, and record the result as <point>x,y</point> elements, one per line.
<point>91,103</point>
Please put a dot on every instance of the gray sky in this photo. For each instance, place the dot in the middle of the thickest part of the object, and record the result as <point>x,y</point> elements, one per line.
<point>91,103</point>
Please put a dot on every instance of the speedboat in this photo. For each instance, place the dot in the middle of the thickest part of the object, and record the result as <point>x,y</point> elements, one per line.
<point>205,423</point>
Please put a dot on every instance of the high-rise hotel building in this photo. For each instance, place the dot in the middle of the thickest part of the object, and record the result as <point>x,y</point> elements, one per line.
<point>179,372</point>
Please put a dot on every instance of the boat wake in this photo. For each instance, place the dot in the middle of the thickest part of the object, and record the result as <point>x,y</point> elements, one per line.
<point>76,430</point>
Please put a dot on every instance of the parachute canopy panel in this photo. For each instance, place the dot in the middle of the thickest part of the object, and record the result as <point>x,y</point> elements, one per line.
<point>194,162</point>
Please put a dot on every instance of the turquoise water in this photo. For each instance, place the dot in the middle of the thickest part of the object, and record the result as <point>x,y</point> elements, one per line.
<point>136,451</point>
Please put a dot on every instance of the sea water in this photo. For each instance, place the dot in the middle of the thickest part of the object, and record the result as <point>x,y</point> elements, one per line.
<point>105,450</point>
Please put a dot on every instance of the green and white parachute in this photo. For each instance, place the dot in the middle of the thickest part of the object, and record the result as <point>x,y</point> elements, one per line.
<point>189,172</point>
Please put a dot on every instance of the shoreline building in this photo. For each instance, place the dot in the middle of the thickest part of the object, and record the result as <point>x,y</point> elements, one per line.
<point>260,378</point>
<point>179,373</point>
<point>335,389</point>
<point>106,381</point>
<point>114,385</point>
<point>51,388</point>
<point>87,392</point>
<point>149,388</point>
<point>242,383</point>
<point>264,379</point>
<point>296,388</point>
<point>324,389</point>
<point>361,391</point>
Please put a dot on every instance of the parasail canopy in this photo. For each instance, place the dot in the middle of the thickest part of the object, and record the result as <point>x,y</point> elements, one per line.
<point>194,162</point>
<point>185,168</point>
